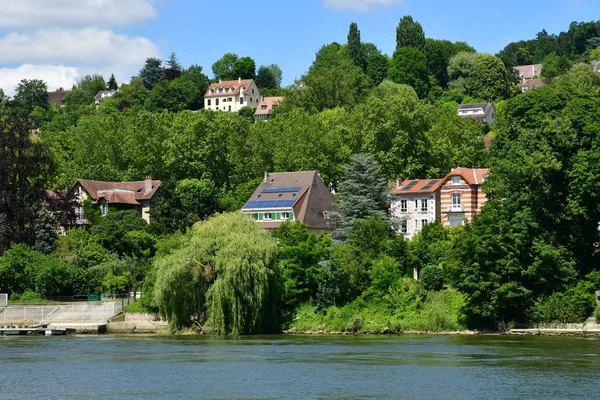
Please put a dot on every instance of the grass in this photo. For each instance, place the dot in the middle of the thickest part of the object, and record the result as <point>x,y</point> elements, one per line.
<point>432,312</point>
<point>138,307</point>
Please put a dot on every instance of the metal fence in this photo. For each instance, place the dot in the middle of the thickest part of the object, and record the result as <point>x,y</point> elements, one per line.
<point>75,313</point>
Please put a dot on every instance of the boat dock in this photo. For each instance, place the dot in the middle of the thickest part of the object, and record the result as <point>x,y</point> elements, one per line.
<point>36,330</point>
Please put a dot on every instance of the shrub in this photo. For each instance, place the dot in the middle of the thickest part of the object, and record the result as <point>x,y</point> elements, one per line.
<point>572,306</point>
<point>432,278</point>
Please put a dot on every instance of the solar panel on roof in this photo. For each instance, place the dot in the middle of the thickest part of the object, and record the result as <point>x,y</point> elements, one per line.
<point>409,186</point>
<point>270,204</point>
<point>281,190</point>
<point>430,184</point>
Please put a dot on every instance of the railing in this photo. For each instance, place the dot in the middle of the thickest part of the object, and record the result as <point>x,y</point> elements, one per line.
<point>455,208</point>
<point>77,298</point>
<point>58,313</point>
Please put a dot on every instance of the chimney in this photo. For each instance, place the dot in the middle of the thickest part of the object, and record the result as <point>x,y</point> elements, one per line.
<point>220,81</point>
<point>398,182</point>
<point>239,80</point>
<point>148,185</point>
<point>266,176</point>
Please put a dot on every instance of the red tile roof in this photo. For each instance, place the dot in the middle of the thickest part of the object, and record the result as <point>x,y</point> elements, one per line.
<point>416,186</point>
<point>228,88</point>
<point>118,192</point>
<point>266,105</point>
<point>473,176</point>
<point>532,84</point>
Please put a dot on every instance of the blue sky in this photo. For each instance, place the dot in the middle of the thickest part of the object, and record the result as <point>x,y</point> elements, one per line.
<point>75,37</point>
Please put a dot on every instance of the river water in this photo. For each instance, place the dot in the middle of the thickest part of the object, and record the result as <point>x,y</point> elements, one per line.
<point>299,367</point>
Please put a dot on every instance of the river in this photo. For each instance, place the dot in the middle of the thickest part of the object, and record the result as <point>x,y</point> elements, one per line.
<point>299,367</point>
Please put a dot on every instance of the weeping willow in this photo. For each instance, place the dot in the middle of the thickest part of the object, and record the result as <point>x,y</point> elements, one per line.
<point>226,276</point>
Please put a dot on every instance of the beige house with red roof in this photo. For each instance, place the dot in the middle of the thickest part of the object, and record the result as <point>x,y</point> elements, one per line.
<point>139,195</point>
<point>291,196</point>
<point>415,203</point>
<point>527,72</point>
<point>461,195</point>
<point>232,96</point>
<point>265,107</point>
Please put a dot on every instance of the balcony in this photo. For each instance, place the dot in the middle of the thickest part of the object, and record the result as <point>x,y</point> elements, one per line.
<point>456,208</point>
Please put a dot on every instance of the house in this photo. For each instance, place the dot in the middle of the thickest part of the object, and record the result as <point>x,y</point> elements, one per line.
<point>265,107</point>
<point>103,94</point>
<point>58,97</point>
<point>527,72</point>
<point>138,195</point>
<point>461,196</point>
<point>596,66</point>
<point>232,96</point>
<point>291,196</point>
<point>531,84</point>
<point>415,203</point>
<point>483,112</point>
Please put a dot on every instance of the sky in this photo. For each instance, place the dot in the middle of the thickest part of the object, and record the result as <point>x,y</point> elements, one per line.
<point>60,41</point>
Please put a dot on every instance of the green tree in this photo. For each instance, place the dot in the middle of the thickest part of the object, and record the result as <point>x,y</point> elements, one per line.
<point>112,83</point>
<point>554,66</point>
<point>223,68</point>
<point>410,34</point>
<point>355,49</point>
<point>227,272</point>
<point>363,193</point>
<point>152,72</point>
<point>488,80</point>
<point>377,67</point>
<point>409,66</point>
<point>244,68</point>
<point>523,56</point>
<point>460,70</point>
<point>30,94</point>
<point>173,69</point>
<point>266,79</point>
<point>595,54</point>
<point>439,53</point>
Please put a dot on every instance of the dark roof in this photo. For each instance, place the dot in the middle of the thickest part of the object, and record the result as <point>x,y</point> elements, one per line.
<point>310,197</point>
<point>57,97</point>
<point>118,192</point>
<point>417,186</point>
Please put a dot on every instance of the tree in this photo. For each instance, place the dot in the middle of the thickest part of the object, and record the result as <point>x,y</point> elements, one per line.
<point>26,166</point>
<point>460,70</point>
<point>226,274</point>
<point>410,34</point>
<point>112,83</point>
<point>85,91</point>
<point>173,69</point>
<point>554,66</point>
<point>244,68</point>
<point>223,68</point>
<point>363,193</point>
<point>30,94</point>
<point>439,53</point>
<point>152,72</point>
<point>595,54</point>
<point>377,67</point>
<point>268,77</point>
<point>488,80</point>
<point>523,56</point>
<point>355,49</point>
<point>409,66</point>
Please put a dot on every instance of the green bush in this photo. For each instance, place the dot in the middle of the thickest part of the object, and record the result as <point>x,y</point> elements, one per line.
<point>432,278</point>
<point>572,306</point>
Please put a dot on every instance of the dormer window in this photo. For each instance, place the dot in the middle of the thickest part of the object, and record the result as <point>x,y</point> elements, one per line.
<point>456,180</point>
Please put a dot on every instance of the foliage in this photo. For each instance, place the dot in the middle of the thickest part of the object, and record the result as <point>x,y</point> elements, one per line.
<point>409,66</point>
<point>410,34</point>
<point>377,67</point>
<point>223,68</point>
<point>152,72</point>
<point>268,77</point>
<point>112,83</point>
<point>432,278</point>
<point>227,269</point>
<point>29,94</point>
<point>355,48</point>
<point>244,68</point>
<point>554,66</point>
<point>488,80</point>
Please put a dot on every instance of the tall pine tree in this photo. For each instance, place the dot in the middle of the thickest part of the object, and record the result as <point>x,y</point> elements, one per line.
<point>112,83</point>
<point>410,34</point>
<point>355,49</point>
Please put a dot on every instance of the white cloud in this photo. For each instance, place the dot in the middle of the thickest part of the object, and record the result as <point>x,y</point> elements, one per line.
<point>54,75</point>
<point>361,5</point>
<point>44,13</point>
<point>88,46</point>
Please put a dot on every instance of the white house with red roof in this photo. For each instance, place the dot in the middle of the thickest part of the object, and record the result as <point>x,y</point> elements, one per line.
<point>527,72</point>
<point>415,203</point>
<point>138,195</point>
<point>232,96</point>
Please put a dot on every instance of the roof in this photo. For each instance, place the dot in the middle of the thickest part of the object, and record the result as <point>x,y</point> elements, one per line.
<point>118,192</point>
<point>473,176</point>
<point>57,97</point>
<point>228,87</point>
<point>267,103</point>
<point>486,108</point>
<point>104,93</point>
<point>597,67</point>
<point>304,192</point>
<point>417,186</point>
<point>532,83</point>
<point>529,71</point>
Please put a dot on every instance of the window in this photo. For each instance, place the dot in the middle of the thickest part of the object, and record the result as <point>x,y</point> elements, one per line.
<point>258,196</point>
<point>280,195</point>
<point>241,100</point>
<point>104,209</point>
<point>263,107</point>
<point>208,102</point>
<point>229,99</point>
<point>416,204</point>
<point>285,215</point>
<point>79,212</point>
<point>403,206</point>
<point>229,108</point>
<point>216,102</point>
<point>456,180</point>
<point>423,222</point>
<point>268,216</point>
<point>255,216</point>
<point>404,226</point>
<point>416,225</point>
<point>293,194</point>
<point>250,99</point>
<point>423,205</point>
<point>456,199</point>
<point>252,91</point>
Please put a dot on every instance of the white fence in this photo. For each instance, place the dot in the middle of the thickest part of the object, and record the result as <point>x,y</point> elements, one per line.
<point>91,313</point>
